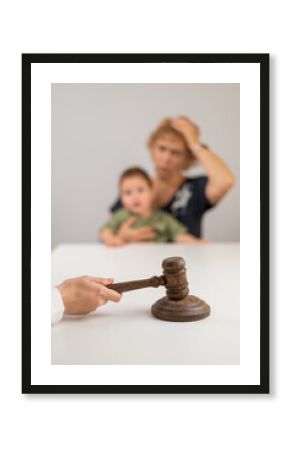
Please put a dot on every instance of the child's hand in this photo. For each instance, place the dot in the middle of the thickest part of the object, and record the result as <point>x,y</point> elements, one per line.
<point>115,241</point>
<point>110,239</point>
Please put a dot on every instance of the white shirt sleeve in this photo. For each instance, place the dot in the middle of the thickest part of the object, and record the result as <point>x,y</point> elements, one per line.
<point>57,306</point>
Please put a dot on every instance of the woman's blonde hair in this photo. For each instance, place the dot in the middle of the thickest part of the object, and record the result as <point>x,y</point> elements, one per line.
<point>165,128</point>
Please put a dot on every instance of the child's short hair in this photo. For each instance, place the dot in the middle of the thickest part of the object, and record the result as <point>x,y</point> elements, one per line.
<point>133,172</point>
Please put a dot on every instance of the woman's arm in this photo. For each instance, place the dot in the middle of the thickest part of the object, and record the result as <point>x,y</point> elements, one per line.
<point>129,234</point>
<point>220,177</point>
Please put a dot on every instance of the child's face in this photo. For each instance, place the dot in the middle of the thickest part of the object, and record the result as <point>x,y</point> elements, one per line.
<point>136,194</point>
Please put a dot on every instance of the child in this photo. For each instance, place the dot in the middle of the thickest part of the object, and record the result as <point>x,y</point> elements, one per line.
<point>137,199</point>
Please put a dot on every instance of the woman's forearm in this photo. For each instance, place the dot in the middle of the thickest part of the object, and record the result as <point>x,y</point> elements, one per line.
<point>220,177</point>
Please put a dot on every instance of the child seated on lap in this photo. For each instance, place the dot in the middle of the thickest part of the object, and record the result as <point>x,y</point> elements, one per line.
<point>137,198</point>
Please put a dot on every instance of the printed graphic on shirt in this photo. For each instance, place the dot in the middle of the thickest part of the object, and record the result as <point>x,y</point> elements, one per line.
<point>181,200</point>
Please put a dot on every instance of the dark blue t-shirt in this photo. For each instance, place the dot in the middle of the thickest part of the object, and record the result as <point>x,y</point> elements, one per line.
<point>188,204</point>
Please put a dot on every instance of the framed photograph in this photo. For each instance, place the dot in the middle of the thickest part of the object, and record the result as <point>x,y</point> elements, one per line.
<point>145,223</point>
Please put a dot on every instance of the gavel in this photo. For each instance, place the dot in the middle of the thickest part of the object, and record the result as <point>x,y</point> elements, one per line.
<point>177,305</point>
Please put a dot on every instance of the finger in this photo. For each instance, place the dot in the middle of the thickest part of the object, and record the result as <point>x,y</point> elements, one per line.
<point>177,120</point>
<point>173,123</point>
<point>104,281</point>
<point>148,234</point>
<point>114,299</point>
<point>145,228</point>
<point>101,302</point>
<point>130,221</point>
<point>109,294</point>
<point>177,124</point>
<point>145,231</point>
<point>112,244</point>
<point>148,230</point>
<point>147,238</point>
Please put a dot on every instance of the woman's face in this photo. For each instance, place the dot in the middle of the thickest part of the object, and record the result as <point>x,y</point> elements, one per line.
<point>169,156</point>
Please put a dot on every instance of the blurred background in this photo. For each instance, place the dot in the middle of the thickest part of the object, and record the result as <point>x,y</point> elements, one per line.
<point>98,130</point>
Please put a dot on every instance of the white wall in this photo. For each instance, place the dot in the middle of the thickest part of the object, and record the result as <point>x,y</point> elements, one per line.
<point>100,129</point>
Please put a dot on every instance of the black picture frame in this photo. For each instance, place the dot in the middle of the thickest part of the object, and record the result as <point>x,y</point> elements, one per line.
<point>263,61</point>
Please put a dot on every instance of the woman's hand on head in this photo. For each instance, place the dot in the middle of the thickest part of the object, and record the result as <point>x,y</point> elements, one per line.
<point>129,234</point>
<point>189,130</point>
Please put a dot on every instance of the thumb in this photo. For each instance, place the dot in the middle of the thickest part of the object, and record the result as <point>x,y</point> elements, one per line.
<point>110,294</point>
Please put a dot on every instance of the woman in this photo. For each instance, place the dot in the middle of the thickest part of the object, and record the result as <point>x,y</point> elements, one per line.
<point>175,146</point>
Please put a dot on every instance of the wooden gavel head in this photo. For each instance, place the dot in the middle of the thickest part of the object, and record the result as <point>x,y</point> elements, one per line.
<point>178,305</point>
<point>174,273</point>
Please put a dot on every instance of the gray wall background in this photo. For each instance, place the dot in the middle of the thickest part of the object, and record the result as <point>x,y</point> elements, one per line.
<point>98,130</point>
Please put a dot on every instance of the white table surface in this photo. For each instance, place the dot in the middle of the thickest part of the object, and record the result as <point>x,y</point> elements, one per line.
<point>126,333</point>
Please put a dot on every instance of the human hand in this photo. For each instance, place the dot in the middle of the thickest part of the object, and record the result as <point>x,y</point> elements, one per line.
<point>110,239</point>
<point>189,130</point>
<point>85,294</point>
<point>129,234</point>
<point>114,241</point>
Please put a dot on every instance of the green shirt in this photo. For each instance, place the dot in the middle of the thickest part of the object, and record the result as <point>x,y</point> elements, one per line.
<point>166,226</point>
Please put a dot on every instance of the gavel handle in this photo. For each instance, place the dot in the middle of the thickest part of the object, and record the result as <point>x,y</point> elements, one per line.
<point>137,284</point>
